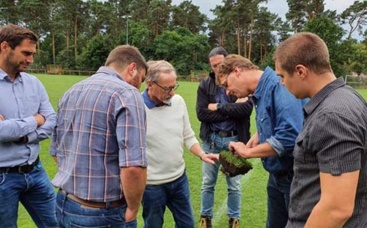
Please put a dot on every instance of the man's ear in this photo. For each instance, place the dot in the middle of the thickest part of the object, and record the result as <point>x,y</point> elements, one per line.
<point>301,71</point>
<point>132,69</point>
<point>3,45</point>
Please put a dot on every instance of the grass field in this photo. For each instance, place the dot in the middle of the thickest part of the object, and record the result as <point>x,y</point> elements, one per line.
<point>253,209</point>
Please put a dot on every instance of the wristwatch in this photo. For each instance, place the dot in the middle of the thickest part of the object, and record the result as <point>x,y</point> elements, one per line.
<point>219,106</point>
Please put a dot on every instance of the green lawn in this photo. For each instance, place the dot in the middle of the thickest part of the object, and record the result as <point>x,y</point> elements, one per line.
<point>253,210</point>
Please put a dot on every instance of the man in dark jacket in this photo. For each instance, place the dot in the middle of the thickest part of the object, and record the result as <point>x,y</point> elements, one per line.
<point>223,119</point>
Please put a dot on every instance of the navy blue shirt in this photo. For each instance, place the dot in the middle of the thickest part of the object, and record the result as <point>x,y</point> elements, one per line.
<point>228,125</point>
<point>279,119</point>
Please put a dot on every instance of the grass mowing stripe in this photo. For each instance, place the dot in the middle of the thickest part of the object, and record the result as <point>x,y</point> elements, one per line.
<point>221,214</point>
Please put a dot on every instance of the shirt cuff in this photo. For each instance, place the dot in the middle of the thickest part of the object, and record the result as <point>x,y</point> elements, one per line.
<point>277,146</point>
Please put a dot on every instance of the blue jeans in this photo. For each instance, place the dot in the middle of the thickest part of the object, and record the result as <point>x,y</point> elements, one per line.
<point>278,199</point>
<point>34,190</point>
<point>210,176</point>
<point>72,214</point>
<point>176,196</point>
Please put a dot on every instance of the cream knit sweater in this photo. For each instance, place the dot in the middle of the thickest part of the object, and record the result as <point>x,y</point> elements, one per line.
<point>168,130</point>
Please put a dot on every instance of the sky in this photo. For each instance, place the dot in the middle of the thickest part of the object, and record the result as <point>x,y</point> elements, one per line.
<point>279,7</point>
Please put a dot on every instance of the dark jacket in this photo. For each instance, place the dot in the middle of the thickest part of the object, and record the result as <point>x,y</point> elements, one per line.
<point>239,112</point>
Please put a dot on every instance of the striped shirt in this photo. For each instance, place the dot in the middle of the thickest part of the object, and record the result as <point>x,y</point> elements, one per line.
<point>333,140</point>
<point>101,127</point>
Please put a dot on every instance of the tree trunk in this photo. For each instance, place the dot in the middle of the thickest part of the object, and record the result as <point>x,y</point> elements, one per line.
<point>67,40</point>
<point>244,42</point>
<point>238,39</point>
<point>250,40</point>
<point>75,36</point>
<point>53,48</point>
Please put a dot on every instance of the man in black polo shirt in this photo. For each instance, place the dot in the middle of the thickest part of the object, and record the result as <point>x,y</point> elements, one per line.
<point>329,188</point>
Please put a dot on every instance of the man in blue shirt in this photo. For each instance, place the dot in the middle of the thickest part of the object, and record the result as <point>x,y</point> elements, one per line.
<point>26,118</point>
<point>223,119</point>
<point>279,118</point>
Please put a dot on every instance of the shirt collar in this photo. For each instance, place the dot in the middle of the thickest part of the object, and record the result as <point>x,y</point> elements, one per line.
<point>109,71</point>
<point>262,83</point>
<point>322,94</point>
<point>149,103</point>
<point>5,76</point>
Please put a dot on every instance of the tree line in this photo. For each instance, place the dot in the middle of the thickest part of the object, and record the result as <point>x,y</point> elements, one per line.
<point>79,34</point>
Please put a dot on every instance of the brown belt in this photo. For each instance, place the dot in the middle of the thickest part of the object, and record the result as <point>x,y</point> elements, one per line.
<point>93,204</point>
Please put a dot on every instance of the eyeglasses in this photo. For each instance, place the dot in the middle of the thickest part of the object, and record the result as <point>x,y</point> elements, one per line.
<point>167,89</point>
<point>224,83</point>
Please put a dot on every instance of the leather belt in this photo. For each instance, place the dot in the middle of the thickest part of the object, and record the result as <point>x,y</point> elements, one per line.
<point>93,204</point>
<point>226,133</point>
<point>20,169</point>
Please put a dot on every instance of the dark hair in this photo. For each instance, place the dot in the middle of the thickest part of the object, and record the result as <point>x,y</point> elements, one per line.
<point>218,51</point>
<point>124,55</point>
<point>15,34</point>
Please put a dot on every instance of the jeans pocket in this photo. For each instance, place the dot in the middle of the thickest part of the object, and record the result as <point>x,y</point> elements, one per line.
<point>131,224</point>
<point>2,178</point>
<point>72,225</point>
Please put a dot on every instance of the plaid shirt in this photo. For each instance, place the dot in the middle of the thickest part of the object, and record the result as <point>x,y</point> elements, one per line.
<point>101,127</point>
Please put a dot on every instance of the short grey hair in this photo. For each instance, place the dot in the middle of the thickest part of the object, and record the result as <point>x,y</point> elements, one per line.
<point>156,68</point>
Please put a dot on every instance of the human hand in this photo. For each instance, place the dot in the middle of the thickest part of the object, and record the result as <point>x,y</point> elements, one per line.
<point>212,107</point>
<point>40,119</point>
<point>254,140</point>
<point>2,118</point>
<point>130,214</point>
<point>238,149</point>
<point>244,99</point>
<point>210,158</point>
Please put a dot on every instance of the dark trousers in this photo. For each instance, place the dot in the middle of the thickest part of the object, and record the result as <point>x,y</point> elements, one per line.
<point>278,199</point>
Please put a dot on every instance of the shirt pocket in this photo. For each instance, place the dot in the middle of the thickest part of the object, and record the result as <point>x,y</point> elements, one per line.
<point>299,149</point>
<point>32,103</point>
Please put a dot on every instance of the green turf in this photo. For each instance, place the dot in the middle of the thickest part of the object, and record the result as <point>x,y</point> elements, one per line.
<point>253,209</point>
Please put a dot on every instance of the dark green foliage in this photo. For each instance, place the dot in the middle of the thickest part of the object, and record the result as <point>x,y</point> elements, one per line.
<point>177,31</point>
<point>95,53</point>
<point>332,34</point>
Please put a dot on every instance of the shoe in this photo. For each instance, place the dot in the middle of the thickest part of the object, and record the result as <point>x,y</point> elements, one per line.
<point>234,223</point>
<point>205,222</point>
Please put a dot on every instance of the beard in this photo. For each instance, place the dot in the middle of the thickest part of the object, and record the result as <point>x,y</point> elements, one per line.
<point>15,66</point>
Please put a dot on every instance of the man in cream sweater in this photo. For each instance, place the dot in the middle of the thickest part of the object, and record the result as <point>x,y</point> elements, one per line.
<point>168,131</point>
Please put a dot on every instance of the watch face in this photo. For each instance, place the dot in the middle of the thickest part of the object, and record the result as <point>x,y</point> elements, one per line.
<point>219,105</point>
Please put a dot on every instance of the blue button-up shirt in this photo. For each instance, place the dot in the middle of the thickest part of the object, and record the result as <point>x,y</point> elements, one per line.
<point>279,119</point>
<point>19,102</point>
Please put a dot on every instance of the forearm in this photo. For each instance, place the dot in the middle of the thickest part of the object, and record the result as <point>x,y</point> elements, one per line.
<point>262,150</point>
<point>237,110</point>
<point>44,129</point>
<point>336,203</point>
<point>325,217</point>
<point>14,129</point>
<point>133,181</point>
<point>197,150</point>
